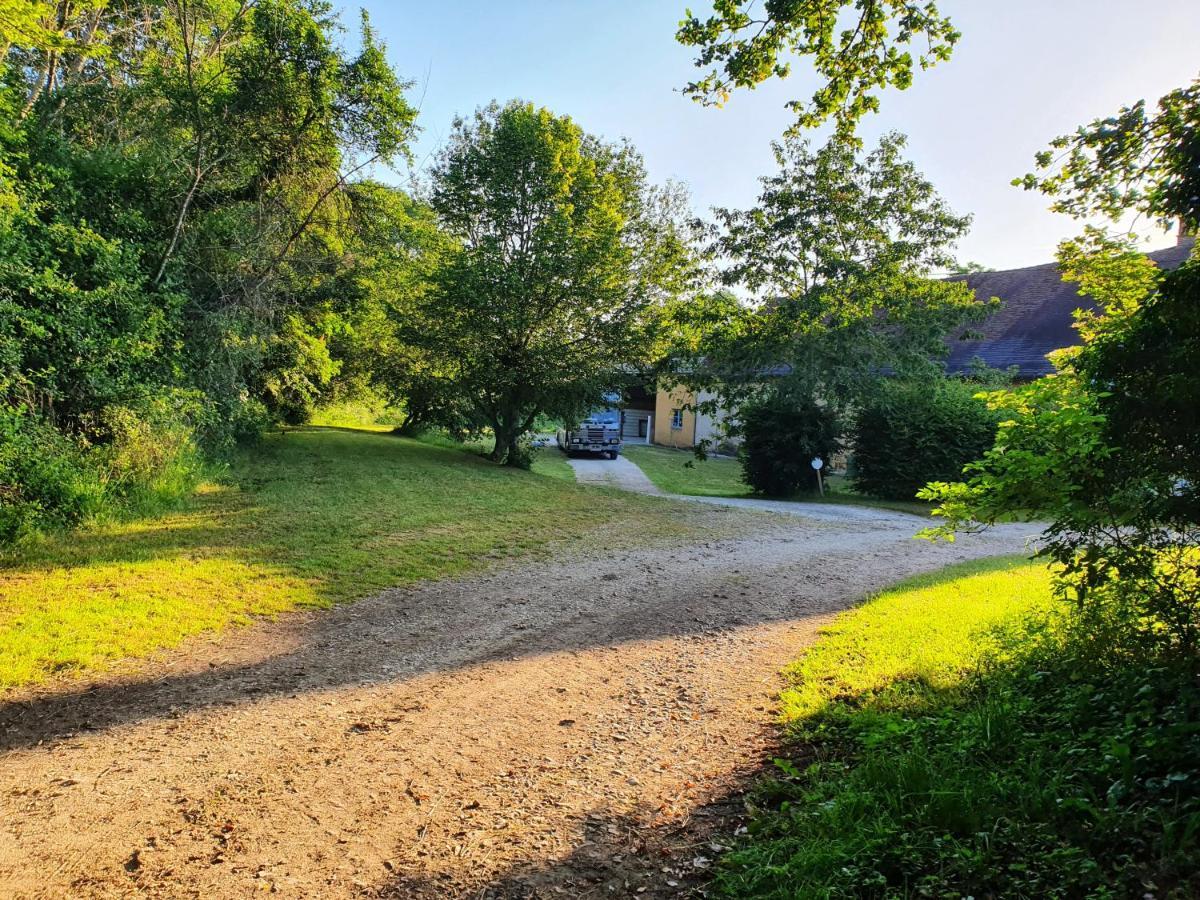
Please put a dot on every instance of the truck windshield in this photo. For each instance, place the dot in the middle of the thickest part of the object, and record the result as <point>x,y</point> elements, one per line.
<point>606,416</point>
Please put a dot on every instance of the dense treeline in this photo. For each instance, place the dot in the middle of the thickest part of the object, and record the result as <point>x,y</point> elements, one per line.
<point>176,217</point>
<point>192,247</point>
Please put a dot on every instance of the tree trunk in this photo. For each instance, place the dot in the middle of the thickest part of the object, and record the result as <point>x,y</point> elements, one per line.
<point>507,435</point>
<point>512,454</point>
<point>500,449</point>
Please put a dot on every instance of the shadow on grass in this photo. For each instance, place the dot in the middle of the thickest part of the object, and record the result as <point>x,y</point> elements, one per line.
<point>312,517</point>
<point>435,626</point>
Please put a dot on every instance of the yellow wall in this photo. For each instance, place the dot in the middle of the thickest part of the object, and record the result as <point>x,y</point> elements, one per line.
<point>666,402</point>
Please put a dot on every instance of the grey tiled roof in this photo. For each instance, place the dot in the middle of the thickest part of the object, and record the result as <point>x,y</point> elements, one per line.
<point>1035,316</point>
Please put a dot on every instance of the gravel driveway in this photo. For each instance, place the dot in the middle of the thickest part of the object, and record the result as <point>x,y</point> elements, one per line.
<point>561,728</point>
<point>618,473</point>
<point>625,474</point>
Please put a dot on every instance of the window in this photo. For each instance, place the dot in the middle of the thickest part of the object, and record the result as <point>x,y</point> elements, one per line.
<point>677,419</point>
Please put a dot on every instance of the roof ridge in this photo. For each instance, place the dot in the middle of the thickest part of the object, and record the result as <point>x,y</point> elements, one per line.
<point>1187,242</point>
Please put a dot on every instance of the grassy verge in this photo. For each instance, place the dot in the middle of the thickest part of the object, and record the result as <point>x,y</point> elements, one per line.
<point>956,737</point>
<point>310,518</point>
<point>679,472</point>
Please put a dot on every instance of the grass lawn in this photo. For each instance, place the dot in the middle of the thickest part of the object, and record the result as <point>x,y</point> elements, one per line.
<point>931,630</point>
<point>957,736</point>
<point>311,517</point>
<point>679,472</point>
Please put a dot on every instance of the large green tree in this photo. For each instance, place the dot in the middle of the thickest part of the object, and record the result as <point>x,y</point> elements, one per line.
<point>393,253</point>
<point>175,219</point>
<point>181,169</point>
<point>565,252</point>
<point>835,261</point>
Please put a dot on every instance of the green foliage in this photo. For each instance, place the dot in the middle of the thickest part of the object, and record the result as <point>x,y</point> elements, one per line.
<point>1102,463</point>
<point>1151,396</point>
<point>139,457</point>
<point>856,50</point>
<point>837,253</point>
<point>44,480</point>
<point>1136,160</point>
<point>176,220</point>
<point>395,249</point>
<point>781,434</point>
<point>954,737</point>
<point>1105,448</point>
<point>565,254</point>
<point>147,456</point>
<point>78,329</point>
<point>913,432</point>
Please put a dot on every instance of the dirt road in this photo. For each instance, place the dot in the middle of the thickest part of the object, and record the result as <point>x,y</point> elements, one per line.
<point>620,473</point>
<point>577,727</point>
<point>626,475</point>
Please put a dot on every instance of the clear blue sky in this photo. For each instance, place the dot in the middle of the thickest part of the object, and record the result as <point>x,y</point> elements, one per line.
<point>1025,71</point>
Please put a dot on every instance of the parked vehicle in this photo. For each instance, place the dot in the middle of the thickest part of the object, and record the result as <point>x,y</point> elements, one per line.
<point>599,433</point>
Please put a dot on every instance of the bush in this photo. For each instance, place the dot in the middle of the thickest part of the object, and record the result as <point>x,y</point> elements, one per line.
<point>780,436</point>
<point>136,457</point>
<point>913,433</point>
<point>148,456</point>
<point>44,477</point>
<point>524,453</point>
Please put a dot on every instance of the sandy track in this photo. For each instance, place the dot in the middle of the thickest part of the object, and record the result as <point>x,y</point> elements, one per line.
<point>564,728</point>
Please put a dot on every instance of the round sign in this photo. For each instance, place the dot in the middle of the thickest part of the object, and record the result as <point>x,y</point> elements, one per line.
<point>817,462</point>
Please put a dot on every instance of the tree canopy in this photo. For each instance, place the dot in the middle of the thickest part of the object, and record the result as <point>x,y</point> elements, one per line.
<point>836,257</point>
<point>176,211</point>
<point>564,252</point>
<point>1138,160</point>
<point>1105,447</point>
<point>856,48</point>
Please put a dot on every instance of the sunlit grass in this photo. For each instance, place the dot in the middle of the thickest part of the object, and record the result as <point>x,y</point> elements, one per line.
<point>963,734</point>
<point>310,518</point>
<point>931,631</point>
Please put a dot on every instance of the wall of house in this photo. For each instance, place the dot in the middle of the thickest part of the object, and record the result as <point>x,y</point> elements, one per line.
<point>635,425</point>
<point>696,427</point>
<point>712,427</point>
<point>665,404</point>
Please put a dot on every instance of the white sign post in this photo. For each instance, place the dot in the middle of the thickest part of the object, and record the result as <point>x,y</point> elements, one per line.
<point>818,464</point>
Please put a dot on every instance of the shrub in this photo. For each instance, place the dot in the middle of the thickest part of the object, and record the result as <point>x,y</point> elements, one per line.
<point>523,454</point>
<point>44,477</point>
<point>140,456</point>
<point>913,433</point>
<point>959,736</point>
<point>780,436</point>
<point>148,455</point>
